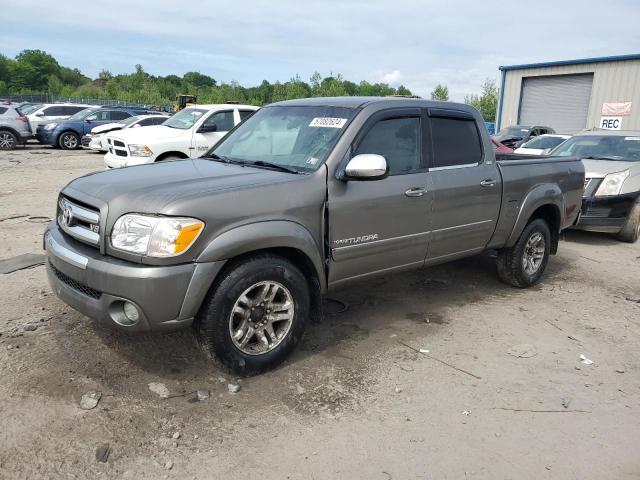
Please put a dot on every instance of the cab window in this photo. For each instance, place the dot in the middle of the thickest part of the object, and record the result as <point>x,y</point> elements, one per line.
<point>397,140</point>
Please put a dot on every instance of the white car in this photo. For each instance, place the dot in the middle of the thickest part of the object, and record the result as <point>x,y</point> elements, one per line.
<point>53,112</point>
<point>188,134</point>
<point>542,144</point>
<point>97,139</point>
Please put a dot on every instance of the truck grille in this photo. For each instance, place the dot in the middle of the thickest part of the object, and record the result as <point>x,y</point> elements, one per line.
<point>117,147</point>
<point>80,221</point>
<point>77,286</point>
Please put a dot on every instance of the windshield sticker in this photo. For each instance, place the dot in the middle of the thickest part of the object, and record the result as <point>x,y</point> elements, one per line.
<point>312,161</point>
<point>328,122</point>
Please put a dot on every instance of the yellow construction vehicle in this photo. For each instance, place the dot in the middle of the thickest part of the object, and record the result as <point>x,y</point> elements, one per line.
<point>184,101</point>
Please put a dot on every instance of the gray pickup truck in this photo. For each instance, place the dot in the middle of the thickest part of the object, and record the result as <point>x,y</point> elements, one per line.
<point>302,197</point>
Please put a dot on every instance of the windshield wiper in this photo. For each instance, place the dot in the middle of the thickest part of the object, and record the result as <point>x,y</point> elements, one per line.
<point>257,163</point>
<point>600,157</point>
<point>275,166</point>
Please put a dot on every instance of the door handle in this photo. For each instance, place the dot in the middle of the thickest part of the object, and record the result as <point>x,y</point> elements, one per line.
<point>488,183</point>
<point>415,192</point>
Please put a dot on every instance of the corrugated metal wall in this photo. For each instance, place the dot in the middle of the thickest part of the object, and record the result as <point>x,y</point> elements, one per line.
<point>612,82</point>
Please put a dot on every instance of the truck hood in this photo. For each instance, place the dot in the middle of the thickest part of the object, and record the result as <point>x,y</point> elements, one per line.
<point>150,134</point>
<point>600,168</point>
<point>161,188</point>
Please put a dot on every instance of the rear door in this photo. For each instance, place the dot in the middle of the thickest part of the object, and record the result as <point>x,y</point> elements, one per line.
<point>382,225</point>
<point>203,138</point>
<point>465,183</point>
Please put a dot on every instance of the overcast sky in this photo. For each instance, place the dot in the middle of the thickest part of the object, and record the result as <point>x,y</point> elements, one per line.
<point>414,43</point>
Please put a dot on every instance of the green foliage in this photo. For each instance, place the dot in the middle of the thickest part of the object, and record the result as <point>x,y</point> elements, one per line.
<point>441,92</point>
<point>486,102</point>
<point>37,72</point>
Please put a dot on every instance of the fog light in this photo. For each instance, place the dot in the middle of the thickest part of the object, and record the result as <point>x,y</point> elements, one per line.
<point>131,312</point>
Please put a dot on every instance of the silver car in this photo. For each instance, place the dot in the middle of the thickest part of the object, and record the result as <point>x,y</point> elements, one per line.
<point>611,200</point>
<point>14,127</point>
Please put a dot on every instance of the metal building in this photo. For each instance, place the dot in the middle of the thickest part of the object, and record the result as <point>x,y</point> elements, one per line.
<point>572,95</point>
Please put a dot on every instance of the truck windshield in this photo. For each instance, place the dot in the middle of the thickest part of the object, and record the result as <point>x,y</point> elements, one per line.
<point>513,132</point>
<point>295,137</point>
<point>185,118</point>
<point>602,147</point>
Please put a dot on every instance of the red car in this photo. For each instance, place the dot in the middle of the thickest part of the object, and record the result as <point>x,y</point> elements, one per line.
<point>499,147</point>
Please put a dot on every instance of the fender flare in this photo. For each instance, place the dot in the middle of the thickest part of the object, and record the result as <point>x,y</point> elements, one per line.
<point>538,196</point>
<point>262,236</point>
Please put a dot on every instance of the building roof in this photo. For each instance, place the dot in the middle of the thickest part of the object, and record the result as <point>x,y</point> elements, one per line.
<point>578,61</point>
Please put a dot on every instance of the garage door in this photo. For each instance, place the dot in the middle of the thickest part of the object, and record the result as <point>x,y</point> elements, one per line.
<point>560,102</point>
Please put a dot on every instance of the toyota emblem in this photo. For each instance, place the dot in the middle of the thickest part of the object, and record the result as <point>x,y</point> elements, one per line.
<point>67,216</point>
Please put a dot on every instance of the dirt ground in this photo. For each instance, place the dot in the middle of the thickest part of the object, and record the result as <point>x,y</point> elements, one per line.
<point>356,400</point>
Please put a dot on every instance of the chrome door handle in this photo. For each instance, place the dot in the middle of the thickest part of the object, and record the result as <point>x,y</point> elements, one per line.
<point>488,183</point>
<point>415,192</point>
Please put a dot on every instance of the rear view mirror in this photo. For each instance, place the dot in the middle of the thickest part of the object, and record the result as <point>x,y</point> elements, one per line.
<point>367,166</point>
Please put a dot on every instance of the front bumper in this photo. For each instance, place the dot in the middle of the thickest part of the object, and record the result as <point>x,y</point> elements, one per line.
<point>606,214</point>
<point>45,136</point>
<point>167,297</point>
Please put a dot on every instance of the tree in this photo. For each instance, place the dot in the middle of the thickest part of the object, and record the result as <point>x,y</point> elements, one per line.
<point>486,102</point>
<point>198,80</point>
<point>441,92</point>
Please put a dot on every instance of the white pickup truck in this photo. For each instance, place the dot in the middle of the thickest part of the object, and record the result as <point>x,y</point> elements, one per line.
<point>188,134</point>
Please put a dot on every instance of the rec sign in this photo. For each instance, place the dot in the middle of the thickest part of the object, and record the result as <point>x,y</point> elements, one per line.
<point>611,123</point>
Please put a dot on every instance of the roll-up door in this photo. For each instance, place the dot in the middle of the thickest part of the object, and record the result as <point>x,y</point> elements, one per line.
<point>560,101</point>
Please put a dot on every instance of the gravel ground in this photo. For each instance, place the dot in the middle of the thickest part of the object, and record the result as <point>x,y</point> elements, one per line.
<point>356,400</point>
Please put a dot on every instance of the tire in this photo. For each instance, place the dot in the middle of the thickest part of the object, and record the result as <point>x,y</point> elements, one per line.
<point>631,230</point>
<point>8,140</point>
<point>511,261</point>
<point>69,141</point>
<point>233,304</point>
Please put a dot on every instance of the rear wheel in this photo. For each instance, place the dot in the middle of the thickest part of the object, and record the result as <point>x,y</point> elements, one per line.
<point>523,264</point>
<point>69,141</point>
<point>8,140</point>
<point>256,314</point>
<point>631,230</point>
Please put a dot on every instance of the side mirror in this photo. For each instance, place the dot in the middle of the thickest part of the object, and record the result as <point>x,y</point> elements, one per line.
<point>40,114</point>
<point>367,166</point>
<point>212,127</point>
<point>87,120</point>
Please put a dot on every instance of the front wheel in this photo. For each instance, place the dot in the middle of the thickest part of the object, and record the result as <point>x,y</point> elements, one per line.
<point>523,264</point>
<point>631,230</point>
<point>256,314</point>
<point>69,141</point>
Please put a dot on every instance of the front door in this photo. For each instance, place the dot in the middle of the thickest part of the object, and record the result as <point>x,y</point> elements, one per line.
<point>466,187</point>
<point>204,138</point>
<point>382,225</point>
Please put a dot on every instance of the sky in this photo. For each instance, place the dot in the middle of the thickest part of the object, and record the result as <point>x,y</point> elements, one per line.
<point>401,42</point>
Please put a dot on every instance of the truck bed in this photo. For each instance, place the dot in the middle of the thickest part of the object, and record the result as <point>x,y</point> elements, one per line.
<point>557,178</point>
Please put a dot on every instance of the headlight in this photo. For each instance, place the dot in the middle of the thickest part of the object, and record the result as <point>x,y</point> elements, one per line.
<point>155,236</point>
<point>140,151</point>
<point>612,184</point>
<point>50,126</point>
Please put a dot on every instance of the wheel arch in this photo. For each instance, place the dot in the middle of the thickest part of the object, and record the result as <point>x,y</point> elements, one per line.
<point>546,202</point>
<point>176,153</point>
<point>287,239</point>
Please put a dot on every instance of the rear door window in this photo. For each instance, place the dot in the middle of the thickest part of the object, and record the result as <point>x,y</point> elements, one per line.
<point>396,139</point>
<point>245,113</point>
<point>3,110</point>
<point>118,115</point>
<point>456,142</point>
<point>53,112</point>
<point>70,110</point>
